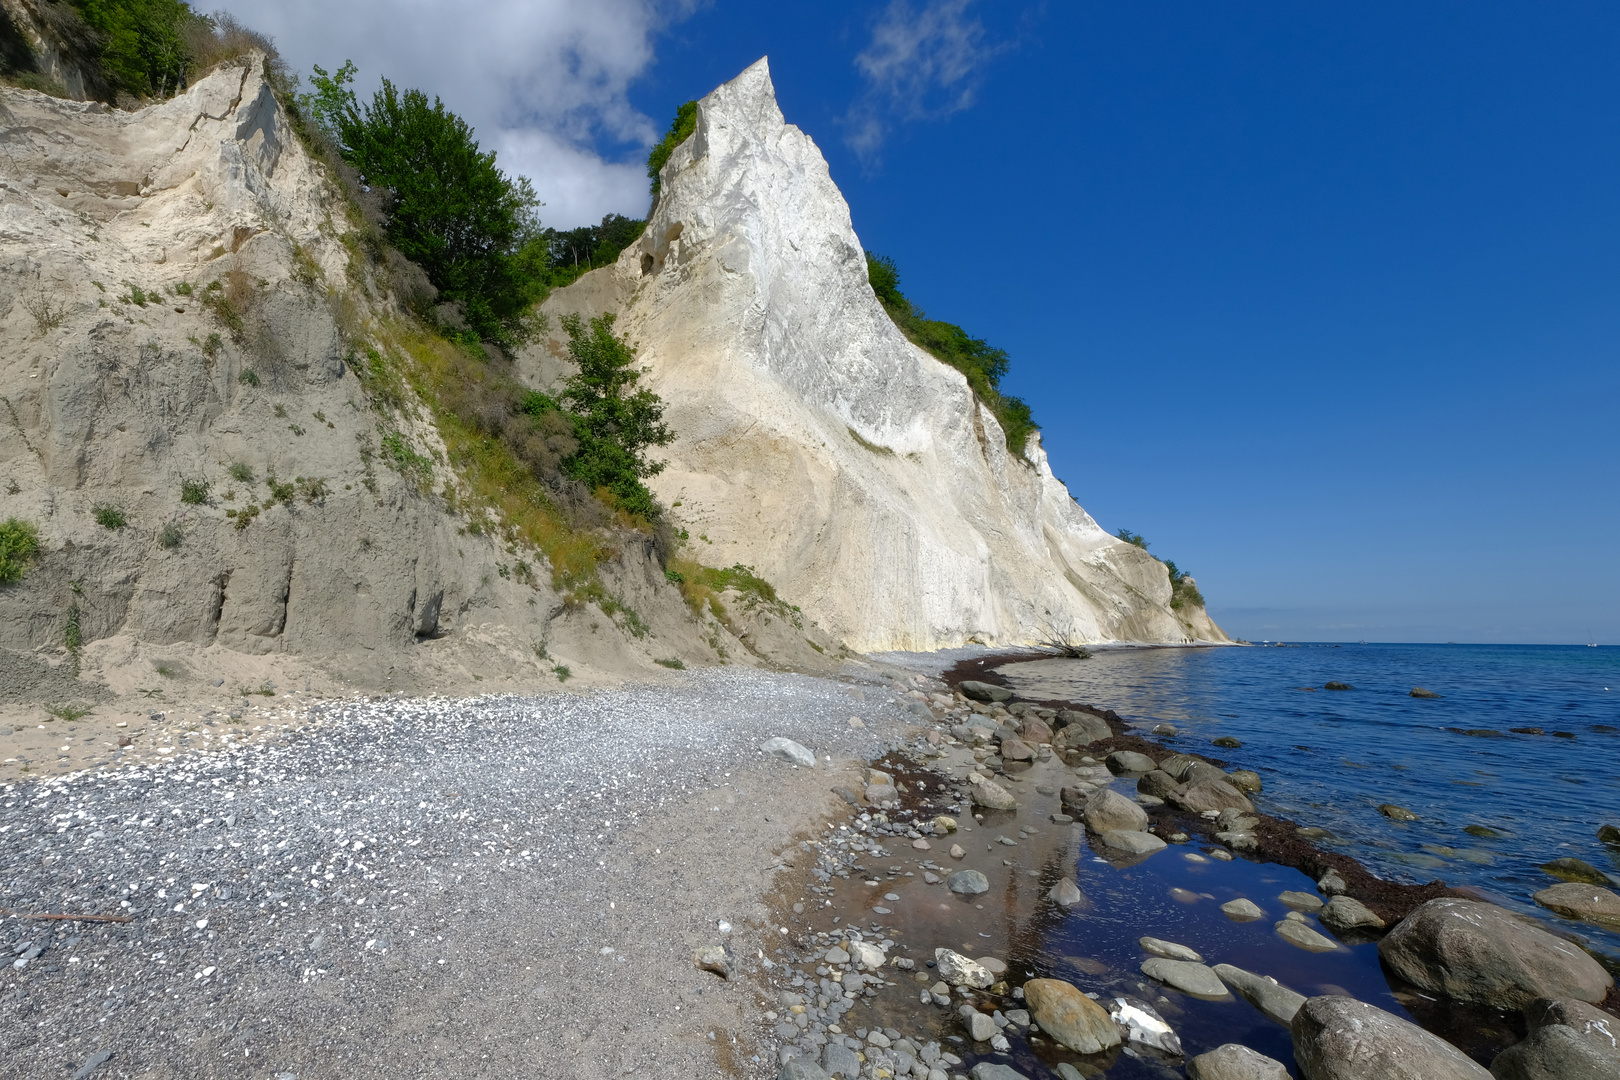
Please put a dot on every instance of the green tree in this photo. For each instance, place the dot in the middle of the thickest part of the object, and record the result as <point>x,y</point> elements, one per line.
<point>472,228</point>
<point>614,422</point>
<point>1132,538</point>
<point>680,129</point>
<point>140,44</point>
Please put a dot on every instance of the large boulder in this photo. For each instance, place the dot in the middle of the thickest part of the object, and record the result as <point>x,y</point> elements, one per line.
<point>1070,1017</point>
<point>1130,841</point>
<point>1157,783</point>
<point>800,1068</point>
<point>1340,1038</point>
<point>1346,913</point>
<point>1235,1062</point>
<point>1121,762</point>
<point>1209,795</point>
<point>989,794</point>
<point>1590,903</point>
<point>983,691</point>
<point>1088,726</point>
<point>1480,953</point>
<point>1567,1040</point>
<point>1557,1052</point>
<point>1107,810</point>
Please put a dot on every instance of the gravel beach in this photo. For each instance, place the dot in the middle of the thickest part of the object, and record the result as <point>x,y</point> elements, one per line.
<point>502,886</point>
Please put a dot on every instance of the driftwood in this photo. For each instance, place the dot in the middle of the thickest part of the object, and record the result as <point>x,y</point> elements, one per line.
<point>68,918</point>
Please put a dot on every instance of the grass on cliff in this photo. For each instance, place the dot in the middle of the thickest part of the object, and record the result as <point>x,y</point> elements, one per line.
<point>19,546</point>
<point>982,364</point>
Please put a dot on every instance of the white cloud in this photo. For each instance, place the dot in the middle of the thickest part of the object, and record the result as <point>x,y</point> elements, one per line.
<point>541,81</point>
<point>920,65</point>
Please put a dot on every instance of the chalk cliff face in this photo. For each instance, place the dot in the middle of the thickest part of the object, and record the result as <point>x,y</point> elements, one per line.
<point>181,299</point>
<point>820,446</point>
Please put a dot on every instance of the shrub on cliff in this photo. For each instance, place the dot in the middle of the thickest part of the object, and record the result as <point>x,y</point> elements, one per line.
<point>470,226</point>
<point>982,364</point>
<point>680,129</point>
<point>19,544</point>
<point>614,421</point>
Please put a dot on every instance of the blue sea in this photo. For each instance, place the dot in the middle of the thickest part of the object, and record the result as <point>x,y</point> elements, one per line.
<point>1329,758</point>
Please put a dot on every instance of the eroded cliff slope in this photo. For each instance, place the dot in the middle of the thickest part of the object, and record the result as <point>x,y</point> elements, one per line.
<point>201,413</point>
<point>819,445</point>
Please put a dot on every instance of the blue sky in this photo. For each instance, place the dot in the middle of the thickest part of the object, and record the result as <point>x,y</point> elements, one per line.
<point>1323,300</point>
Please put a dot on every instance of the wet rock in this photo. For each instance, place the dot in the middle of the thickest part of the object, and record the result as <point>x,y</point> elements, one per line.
<point>1557,1052</point>
<point>1340,1038</point>
<point>982,691</point>
<point>958,970</point>
<point>1576,870</point>
<point>1296,932</point>
<point>989,794</point>
<point>1070,1017</point>
<point>1344,913</point>
<point>1238,841</point>
<point>1300,901</point>
<point>1177,765</point>
<point>1016,750</point>
<point>1235,1062</point>
<point>1480,953</point>
<point>1165,729</point>
<point>1419,692</point>
<point>1065,893</point>
<point>1035,731</point>
<point>1234,820</point>
<point>1246,780</point>
<point>788,750</point>
<point>1275,1001</point>
<point>1158,783</point>
<point>1242,910</point>
<point>1107,810</point>
<point>1337,686</point>
<point>713,958</point>
<point>836,956</point>
<point>1168,949</point>
<point>943,824</point>
<point>1121,762</point>
<point>967,883</point>
<point>1587,902</point>
<point>1588,1022</point>
<point>979,1026</point>
<point>1205,795</point>
<point>1331,883</point>
<point>1396,813</point>
<point>1141,1025</point>
<point>1186,976</point>
<point>1130,841</point>
<point>989,1070</point>
<point>996,966</point>
<point>1226,742</point>
<point>1609,834</point>
<point>1081,728</point>
<point>957,852</point>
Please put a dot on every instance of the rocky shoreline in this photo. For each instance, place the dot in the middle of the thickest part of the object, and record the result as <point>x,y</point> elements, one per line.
<point>880,977</point>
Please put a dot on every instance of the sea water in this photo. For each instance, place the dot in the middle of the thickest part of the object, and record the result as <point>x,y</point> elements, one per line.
<point>1329,758</point>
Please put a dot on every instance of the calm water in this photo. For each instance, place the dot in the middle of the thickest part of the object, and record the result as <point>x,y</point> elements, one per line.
<point>1329,758</point>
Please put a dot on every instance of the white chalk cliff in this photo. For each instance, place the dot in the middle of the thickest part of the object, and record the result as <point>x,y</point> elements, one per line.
<point>820,446</point>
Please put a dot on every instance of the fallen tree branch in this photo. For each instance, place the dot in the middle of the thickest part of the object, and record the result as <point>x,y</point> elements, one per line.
<point>68,918</point>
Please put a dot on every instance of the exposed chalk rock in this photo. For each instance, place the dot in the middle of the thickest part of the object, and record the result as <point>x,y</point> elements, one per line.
<point>816,443</point>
